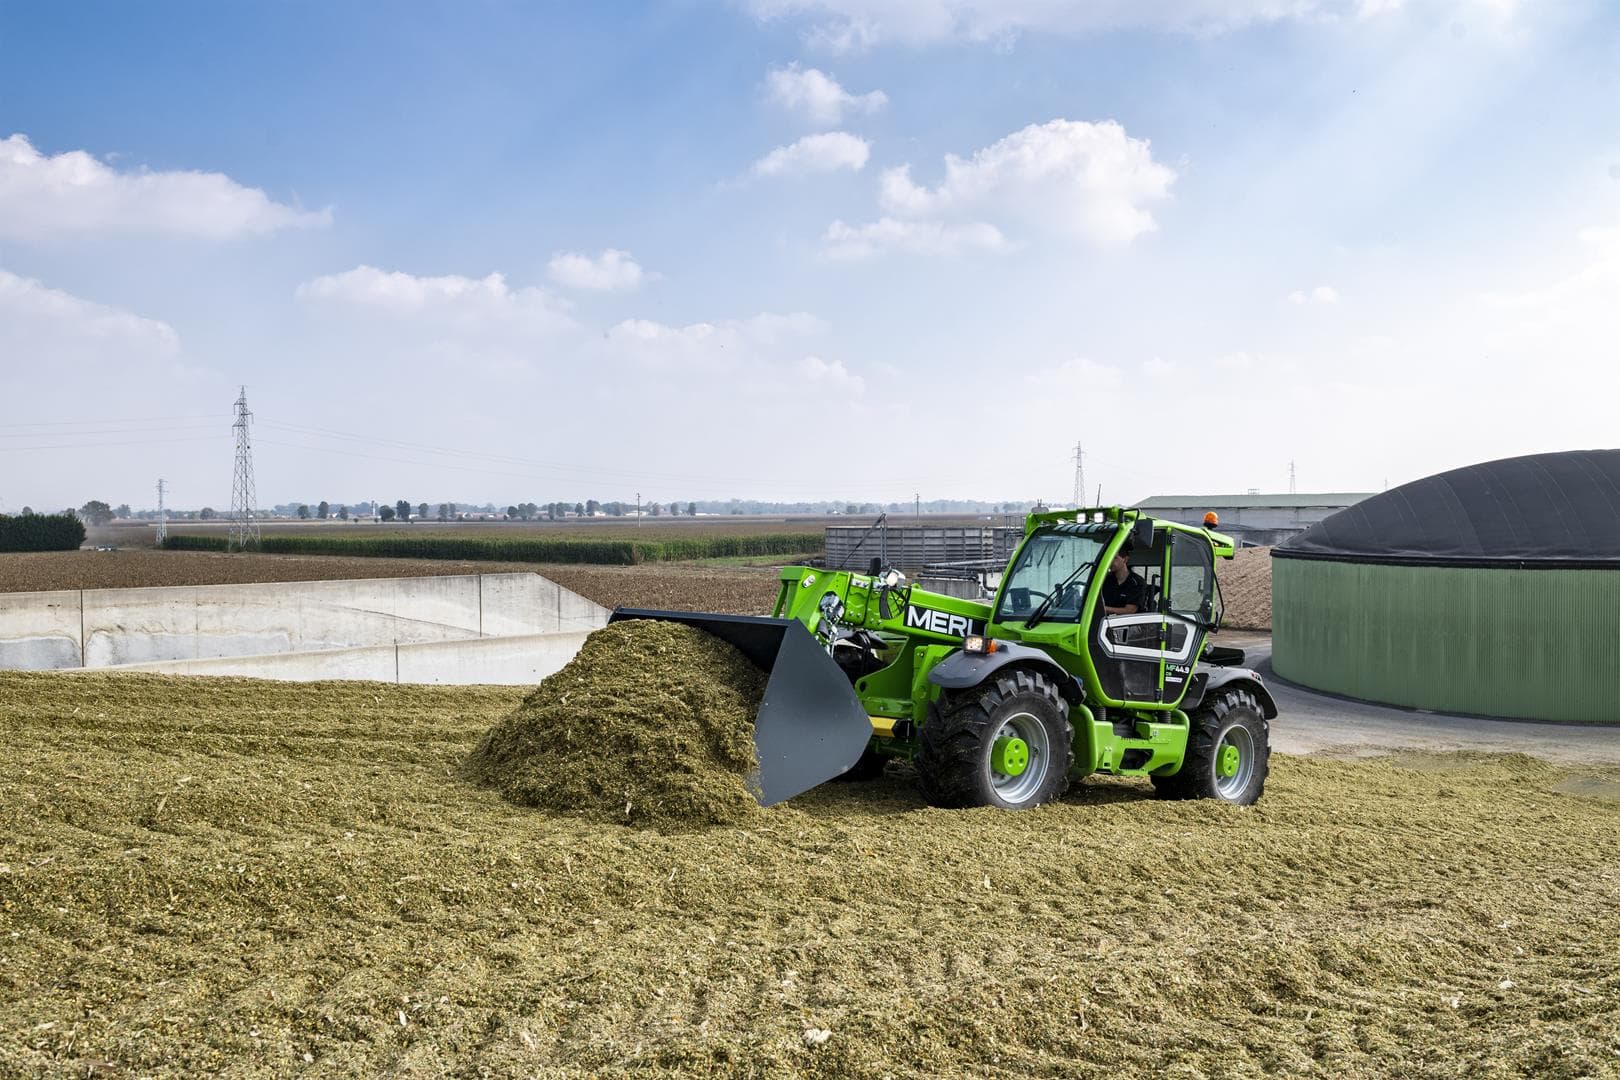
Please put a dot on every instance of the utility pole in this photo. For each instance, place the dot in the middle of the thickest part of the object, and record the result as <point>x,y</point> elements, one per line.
<point>163,516</point>
<point>1291,484</point>
<point>244,499</point>
<point>1079,474</point>
<point>917,504</point>
<point>638,508</point>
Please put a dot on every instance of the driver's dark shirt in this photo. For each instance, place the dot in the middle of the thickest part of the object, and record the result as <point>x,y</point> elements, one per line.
<point>1117,594</point>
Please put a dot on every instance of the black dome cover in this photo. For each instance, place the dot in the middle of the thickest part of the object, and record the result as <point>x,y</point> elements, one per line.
<point>1545,510</point>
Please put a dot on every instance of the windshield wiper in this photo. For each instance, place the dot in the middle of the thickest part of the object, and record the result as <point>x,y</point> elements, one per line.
<point>1057,590</point>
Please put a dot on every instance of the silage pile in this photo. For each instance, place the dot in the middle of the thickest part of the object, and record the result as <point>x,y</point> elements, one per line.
<point>651,724</point>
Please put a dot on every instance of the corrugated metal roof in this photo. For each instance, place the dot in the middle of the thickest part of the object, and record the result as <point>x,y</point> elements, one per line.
<point>1246,502</point>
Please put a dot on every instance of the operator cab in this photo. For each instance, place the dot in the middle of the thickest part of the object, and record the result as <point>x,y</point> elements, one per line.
<point>1144,657</point>
<point>1053,572</point>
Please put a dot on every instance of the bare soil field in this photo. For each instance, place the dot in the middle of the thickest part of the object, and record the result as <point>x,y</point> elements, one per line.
<point>271,879</point>
<point>740,590</point>
<point>1245,581</point>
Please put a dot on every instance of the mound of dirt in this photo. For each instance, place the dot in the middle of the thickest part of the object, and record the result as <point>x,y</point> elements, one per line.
<point>1246,589</point>
<point>652,724</point>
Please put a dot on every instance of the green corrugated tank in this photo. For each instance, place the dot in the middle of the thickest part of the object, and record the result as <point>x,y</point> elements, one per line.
<point>1492,590</point>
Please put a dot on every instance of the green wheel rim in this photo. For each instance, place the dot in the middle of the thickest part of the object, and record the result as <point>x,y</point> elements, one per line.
<point>1234,762</point>
<point>1009,756</point>
<point>1020,743</point>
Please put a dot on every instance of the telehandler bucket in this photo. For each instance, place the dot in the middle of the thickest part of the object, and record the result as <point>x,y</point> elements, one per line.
<point>811,727</point>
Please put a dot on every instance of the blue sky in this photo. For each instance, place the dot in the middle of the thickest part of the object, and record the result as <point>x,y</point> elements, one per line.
<point>1375,238</point>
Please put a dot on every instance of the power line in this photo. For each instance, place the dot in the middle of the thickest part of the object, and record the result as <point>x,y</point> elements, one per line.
<point>119,420</point>
<point>93,445</point>
<point>1079,473</point>
<point>244,499</point>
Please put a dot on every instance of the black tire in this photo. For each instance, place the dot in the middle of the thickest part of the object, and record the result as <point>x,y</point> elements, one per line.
<point>1232,719</point>
<point>954,761</point>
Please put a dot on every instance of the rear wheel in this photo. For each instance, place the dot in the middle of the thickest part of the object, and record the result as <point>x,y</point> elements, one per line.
<point>1228,753</point>
<point>1006,743</point>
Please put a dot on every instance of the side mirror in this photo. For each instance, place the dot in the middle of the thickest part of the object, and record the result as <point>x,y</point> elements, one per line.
<point>875,568</point>
<point>1142,534</point>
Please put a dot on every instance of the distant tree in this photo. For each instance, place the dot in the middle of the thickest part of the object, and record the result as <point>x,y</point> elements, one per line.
<point>207,513</point>
<point>579,508</point>
<point>323,511</point>
<point>386,513</point>
<point>303,513</point>
<point>447,511</point>
<point>343,513</point>
<point>654,509</point>
<point>512,513</point>
<point>851,508</point>
<point>28,511</point>
<point>95,512</point>
<point>402,510</point>
<point>674,509</point>
<point>122,510</point>
<point>691,509</point>
<point>592,506</point>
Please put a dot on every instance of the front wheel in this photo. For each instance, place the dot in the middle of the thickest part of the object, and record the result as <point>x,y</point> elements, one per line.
<point>1228,753</point>
<point>1006,743</point>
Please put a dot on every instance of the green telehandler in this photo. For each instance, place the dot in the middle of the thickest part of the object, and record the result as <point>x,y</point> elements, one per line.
<point>1004,703</point>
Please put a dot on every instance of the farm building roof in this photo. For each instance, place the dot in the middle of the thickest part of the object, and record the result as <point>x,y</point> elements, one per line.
<point>1555,510</point>
<point>1250,502</point>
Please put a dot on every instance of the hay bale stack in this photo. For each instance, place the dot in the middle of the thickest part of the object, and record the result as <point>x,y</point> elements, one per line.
<point>652,724</point>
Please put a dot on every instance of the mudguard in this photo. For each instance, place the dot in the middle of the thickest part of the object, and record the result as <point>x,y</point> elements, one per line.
<point>961,670</point>
<point>1207,679</point>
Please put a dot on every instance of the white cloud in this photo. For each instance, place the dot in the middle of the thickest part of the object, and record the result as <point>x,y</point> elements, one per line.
<point>611,270</point>
<point>32,314</point>
<point>833,375</point>
<point>815,154</point>
<point>726,344</point>
<point>844,25</point>
<point>853,242</point>
<point>1090,181</point>
<point>447,321</point>
<point>1081,374</point>
<point>72,193</point>
<point>818,95</point>
<point>1322,294</point>
<point>1159,369</point>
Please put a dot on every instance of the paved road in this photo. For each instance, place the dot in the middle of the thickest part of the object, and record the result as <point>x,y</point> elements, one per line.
<point>1312,723</point>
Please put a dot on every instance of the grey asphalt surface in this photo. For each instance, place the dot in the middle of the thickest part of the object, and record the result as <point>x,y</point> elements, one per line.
<point>1313,723</point>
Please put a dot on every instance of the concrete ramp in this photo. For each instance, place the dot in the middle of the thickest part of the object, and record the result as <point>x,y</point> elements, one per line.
<point>501,628</point>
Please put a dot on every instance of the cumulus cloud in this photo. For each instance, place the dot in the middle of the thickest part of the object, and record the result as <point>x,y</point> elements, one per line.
<point>708,345</point>
<point>833,375</point>
<point>487,304</point>
<point>611,270</point>
<point>855,242</point>
<point>826,152</point>
<point>1090,181</point>
<point>817,95</point>
<point>845,25</point>
<point>72,193</point>
<point>1322,294</point>
<point>32,314</point>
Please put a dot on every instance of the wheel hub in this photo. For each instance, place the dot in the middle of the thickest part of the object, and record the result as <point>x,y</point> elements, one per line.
<point>1009,756</point>
<point>1231,758</point>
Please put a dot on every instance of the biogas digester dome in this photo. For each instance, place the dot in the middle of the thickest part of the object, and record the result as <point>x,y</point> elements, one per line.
<point>1492,589</point>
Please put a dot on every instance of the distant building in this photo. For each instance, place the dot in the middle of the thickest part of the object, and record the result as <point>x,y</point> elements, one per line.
<point>1252,519</point>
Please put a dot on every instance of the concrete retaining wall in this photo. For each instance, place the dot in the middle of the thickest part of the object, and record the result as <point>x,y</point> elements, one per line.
<point>507,661</point>
<point>99,628</point>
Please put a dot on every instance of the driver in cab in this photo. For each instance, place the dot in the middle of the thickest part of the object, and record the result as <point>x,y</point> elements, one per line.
<point>1122,588</point>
